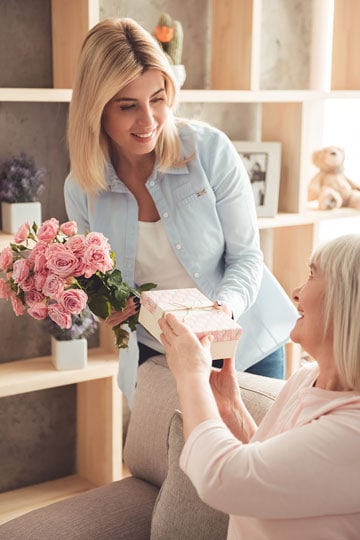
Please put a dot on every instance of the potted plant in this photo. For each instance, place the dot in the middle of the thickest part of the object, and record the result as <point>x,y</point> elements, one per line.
<point>169,34</point>
<point>69,346</point>
<point>21,184</point>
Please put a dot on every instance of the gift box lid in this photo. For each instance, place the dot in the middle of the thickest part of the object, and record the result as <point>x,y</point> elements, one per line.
<point>193,308</point>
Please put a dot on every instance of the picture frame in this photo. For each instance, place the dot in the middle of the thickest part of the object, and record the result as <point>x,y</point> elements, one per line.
<point>262,161</point>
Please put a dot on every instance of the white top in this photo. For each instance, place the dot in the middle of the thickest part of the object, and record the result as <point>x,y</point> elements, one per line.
<point>298,478</point>
<point>156,262</point>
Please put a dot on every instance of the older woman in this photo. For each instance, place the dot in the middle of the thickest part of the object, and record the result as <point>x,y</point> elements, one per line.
<point>297,475</point>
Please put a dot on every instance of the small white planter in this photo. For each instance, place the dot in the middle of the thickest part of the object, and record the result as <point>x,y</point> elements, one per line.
<point>15,214</point>
<point>71,354</point>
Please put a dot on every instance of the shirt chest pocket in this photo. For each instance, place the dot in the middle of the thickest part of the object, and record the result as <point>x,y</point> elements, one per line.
<point>193,195</point>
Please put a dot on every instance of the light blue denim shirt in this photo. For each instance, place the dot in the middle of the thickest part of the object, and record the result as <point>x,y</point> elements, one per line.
<point>208,211</point>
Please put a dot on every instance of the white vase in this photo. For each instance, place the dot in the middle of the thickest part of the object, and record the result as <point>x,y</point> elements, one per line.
<point>71,354</point>
<point>179,73</point>
<point>15,214</point>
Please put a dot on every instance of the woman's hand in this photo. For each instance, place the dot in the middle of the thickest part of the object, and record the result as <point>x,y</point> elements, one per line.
<point>189,360</point>
<point>225,387</point>
<point>132,306</point>
<point>221,306</point>
<point>185,353</point>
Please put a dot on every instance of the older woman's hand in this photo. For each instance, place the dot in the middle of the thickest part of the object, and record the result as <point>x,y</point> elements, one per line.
<point>185,353</point>
<point>117,317</point>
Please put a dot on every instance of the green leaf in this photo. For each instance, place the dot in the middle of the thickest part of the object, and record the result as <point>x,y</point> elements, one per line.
<point>147,287</point>
<point>100,306</point>
<point>121,337</point>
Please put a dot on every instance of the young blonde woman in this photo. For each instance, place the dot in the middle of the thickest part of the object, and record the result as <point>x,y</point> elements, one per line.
<point>171,195</point>
<point>295,476</point>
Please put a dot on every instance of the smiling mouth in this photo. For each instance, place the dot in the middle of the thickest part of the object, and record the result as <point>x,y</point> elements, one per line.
<point>144,136</point>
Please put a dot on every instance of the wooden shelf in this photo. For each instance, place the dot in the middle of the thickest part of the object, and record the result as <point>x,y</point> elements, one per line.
<point>47,95</point>
<point>20,501</point>
<point>63,95</point>
<point>99,425</point>
<point>306,218</point>
<point>39,373</point>
<point>5,239</point>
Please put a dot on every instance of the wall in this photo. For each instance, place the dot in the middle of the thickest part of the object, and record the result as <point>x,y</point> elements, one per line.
<point>37,430</point>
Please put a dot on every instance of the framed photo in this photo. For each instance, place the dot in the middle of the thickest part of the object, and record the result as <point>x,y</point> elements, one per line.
<point>262,161</point>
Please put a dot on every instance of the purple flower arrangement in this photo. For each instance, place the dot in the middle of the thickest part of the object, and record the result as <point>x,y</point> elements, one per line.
<point>82,326</point>
<point>20,180</point>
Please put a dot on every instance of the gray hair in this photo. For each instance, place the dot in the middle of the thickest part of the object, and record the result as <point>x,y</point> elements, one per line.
<point>339,263</point>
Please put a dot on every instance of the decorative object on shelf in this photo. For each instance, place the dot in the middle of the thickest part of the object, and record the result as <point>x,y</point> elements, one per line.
<point>69,345</point>
<point>330,187</point>
<point>52,271</point>
<point>21,184</point>
<point>262,161</point>
<point>169,34</point>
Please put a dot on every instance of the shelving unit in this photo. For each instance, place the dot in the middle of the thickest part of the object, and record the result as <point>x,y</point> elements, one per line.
<point>99,422</point>
<point>293,117</point>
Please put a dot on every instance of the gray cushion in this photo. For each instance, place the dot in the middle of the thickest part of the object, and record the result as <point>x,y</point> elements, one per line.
<point>154,404</point>
<point>179,514</point>
<point>119,510</point>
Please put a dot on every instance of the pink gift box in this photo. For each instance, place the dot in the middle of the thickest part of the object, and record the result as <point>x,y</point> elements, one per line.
<point>196,310</point>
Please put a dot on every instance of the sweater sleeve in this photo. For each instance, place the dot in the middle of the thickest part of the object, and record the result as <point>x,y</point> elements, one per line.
<point>307,471</point>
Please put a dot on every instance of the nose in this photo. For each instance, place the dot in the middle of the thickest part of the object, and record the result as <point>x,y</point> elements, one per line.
<point>295,293</point>
<point>145,117</point>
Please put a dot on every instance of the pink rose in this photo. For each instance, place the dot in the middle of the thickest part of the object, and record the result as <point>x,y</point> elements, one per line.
<point>96,258</point>
<point>48,230</point>
<point>76,244</point>
<point>40,278</point>
<point>73,300</point>
<point>69,228</point>
<point>60,260</point>
<point>53,286</point>
<point>28,283</point>
<point>17,305</point>
<point>40,262</point>
<point>97,239</point>
<point>33,297</point>
<point>21,270</point>
<point>5,289</point>
<point>38,311</point>
<point>22,233</point>
<point>6,259</point>
<point>37,251</point>
<point>59,316</point>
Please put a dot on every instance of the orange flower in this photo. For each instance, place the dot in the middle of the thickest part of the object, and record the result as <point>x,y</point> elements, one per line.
<point>164,34</point>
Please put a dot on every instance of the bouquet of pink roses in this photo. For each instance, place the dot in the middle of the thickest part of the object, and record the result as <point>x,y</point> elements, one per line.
<point>51,271</point>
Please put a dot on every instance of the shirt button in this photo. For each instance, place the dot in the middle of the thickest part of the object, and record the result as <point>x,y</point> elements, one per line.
<point>152,183</point>
<point>165,215</point>
<point>178,246</point>
<point>196,274</point>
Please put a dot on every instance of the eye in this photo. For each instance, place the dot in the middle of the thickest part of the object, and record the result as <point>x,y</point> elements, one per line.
<point>157,99</point>
<point>126,107</point>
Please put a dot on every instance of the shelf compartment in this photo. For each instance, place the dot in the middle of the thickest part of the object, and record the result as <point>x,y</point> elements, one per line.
<point>20,501</point>
<point>99,420</point>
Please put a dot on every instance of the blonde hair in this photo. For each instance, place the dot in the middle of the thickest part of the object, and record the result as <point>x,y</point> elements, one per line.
<point>339,263</point>
<point>114,53</point>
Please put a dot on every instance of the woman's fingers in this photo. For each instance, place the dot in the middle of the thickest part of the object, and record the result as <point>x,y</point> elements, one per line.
<point>221,306</point>
<point>117,317</point>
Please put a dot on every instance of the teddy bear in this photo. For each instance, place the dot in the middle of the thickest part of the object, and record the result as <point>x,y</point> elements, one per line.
<point>330,187</point>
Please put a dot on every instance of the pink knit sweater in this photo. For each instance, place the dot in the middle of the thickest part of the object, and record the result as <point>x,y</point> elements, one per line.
<point>298,478</point>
